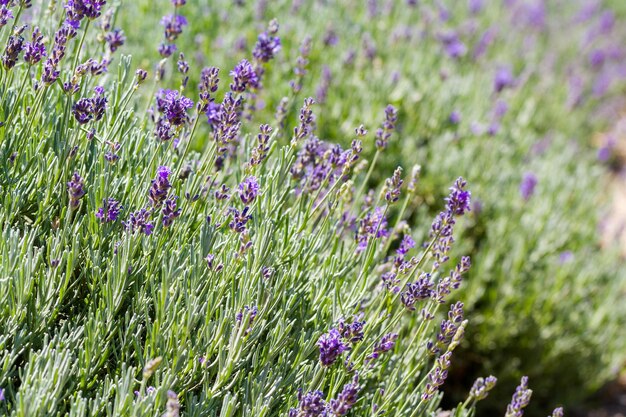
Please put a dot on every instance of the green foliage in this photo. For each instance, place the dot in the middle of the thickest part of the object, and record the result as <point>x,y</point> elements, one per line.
<point>85,305</point>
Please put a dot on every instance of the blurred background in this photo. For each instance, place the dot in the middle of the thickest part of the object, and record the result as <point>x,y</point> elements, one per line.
<point>525,99</point>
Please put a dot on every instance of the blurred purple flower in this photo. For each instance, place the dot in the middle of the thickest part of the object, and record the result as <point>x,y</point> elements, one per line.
<point>527,186</point>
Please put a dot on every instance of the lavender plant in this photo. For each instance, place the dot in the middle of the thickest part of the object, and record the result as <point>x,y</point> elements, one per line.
<point>192,241</point>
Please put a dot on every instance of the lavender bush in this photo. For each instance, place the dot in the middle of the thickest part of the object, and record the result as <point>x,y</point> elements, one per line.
<point>183,236</point>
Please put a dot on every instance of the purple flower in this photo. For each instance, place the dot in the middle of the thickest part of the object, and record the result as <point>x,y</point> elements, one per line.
<point>406,245</point>
<point>392,186</point>
<point>243,75</point>
<point>566,256</point>
<point>503,79</point>
<point>98,103</point>
<point>452,44</point>
<point>160,186</point>
<point>385,344</point>
<point>452,281</point>
<point>115,39</point>
<point>266,47</point>
<point>373,225</point>
<point>139,221</point>
<point>5,15</point>
<point>527,186</point>
<point>170,212</point>
<point>346,398</point>
<point>455,117</point>
<point>558,412</point>
<point>520,399</point>
<point>457,203</point>
<point>83,110</point>
<point>1,394</point>
<point>352,332</point>
<point>475,6</point>
<point>259,153</point>
<point>76,10</point>
<point>437,376</point>
<point>12,51</point>
<point>34,51</point>
<point>174,106</point>
<point>306,121</point>
<point>166,50</point>
<point>481,387</point>
<point>209,82</point>
<point>109,211</point>
<point>485,40</point>
<point>384,133</point>
<point>240,219</point>
<point>417,291</point>
<point>448,328</point>
<point>248,190</point>
<point>76,190</point>
<point>311,404</point>
<point>179,3</point>
<point>331,347</point>
<point>173,26</point>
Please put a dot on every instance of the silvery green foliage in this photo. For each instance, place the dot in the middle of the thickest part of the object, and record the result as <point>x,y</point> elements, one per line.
<point>236,287</point>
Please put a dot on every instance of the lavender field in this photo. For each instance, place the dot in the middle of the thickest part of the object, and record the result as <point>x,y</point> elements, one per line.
<point>312,208</point>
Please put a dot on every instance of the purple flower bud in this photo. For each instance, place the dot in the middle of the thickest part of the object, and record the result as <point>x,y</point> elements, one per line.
<point>35,50</point>
<point>248,190</point>
<point>240,219</point>
<point>331,347</point>
<point>481,387</point>
<point>139,221</point>
<point>527,186</point>
<point>83,110</point>
<point>385,344</point>
<point>266,47</point>
<point>173,25</point>
<point>166,50</point>
<point>76,190</point>
<point>174,106</point>
<point>520,399</point>
<point>503,79</point>
<point>14,46</point>
<point>346,398</point>
<point>455,117</point>
<point>243,75</point>
<point>160,186</point>
<point>392,186</point>
<point>311,404</point>
<point>109,211</point>
<point>406,245</point>
<point>115,39</point>
<point>170,212</point>
<point>5,15</point>
<point>384,133</point>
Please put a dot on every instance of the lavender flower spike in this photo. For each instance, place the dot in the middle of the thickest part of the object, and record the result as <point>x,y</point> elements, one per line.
<point>311,404</point>
<point>520,399</point>
<point>139,221</point>
<point>527,186</point>
<point>243,76</point>
<point>558,412</point>
<point>109,211</point>
<point>160,186</point>
<point>481,387</point>
<point>248,190</point>
<point>346,398</point>
<point>331,347</point>
<point>34,51</point>
<point>76,190</point>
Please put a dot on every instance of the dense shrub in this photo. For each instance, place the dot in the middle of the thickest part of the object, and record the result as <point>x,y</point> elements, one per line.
<point>231,264</point>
